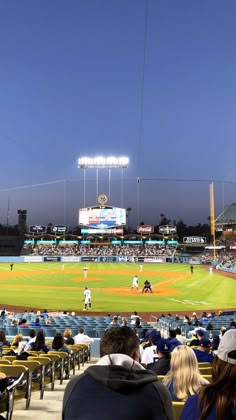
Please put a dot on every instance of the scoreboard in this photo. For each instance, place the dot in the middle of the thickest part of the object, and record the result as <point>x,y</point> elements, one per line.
<point>102,217</point>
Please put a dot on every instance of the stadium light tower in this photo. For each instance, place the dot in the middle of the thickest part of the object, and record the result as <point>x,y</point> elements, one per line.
<point>102,162</point>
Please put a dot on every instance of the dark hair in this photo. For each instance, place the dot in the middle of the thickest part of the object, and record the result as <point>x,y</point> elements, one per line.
<point>221,391</point>
<point>119,340</point>
<point>32,333</point>
<point>40,339</point>
<point>138,323</point>
<point>178,331</point>
<point>81,330</point>
<point>3,338</point>
<point>172,333</point>
<point>23,321</point>
<point>58,341</point>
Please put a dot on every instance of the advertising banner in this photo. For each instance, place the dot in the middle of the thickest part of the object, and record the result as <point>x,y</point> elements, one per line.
<point>195,262</point>
<point>167,229</point>
<point>71,259</point>
<point>145,229</point>
<point>154,259</point>
<point>194,240</point>
<point>114,231</point>
<point>107,259</point>
<point>51,259</point>
<point>60,230</point>
<point>89,259</point>
<point>33,258</point>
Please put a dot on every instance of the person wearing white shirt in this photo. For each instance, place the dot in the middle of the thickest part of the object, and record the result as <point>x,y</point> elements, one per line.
<point>82,338</point>
<point>134,317</point>
<point>150,353</point>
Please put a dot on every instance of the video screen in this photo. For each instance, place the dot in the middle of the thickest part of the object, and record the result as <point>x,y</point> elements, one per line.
<point>102,217</point>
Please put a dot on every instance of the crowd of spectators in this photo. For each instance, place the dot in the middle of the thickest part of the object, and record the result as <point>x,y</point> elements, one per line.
<point>103,250</point>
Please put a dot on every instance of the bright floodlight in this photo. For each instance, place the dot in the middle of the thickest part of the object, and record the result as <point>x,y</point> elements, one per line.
<point>103,162</point>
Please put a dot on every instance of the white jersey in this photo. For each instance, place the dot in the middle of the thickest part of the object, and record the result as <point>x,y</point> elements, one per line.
<point>87,295</point>
<point>135,281</point>
<point>149,354</point>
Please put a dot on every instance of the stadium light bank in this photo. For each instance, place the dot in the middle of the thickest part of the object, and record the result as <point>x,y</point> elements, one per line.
<point>102,162</point>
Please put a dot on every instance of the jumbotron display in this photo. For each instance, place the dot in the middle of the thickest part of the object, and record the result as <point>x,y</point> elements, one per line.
<point>102,217</point>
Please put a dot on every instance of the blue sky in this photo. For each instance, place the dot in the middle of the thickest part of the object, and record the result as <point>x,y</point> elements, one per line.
<point>71,85</point>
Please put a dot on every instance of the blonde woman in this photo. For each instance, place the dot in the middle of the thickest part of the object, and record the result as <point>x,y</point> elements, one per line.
<point>183,378</point>
<point>68,339</point>
<point>18,342</point>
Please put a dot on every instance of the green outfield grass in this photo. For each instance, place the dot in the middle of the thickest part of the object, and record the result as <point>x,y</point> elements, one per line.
<point>175,289</point>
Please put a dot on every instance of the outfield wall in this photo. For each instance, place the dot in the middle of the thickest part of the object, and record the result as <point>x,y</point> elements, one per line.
<point>120,259</point>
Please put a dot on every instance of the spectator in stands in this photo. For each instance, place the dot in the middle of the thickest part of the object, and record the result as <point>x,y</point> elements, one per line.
<point>183,378</point>
<point>198,335</point>
<point>18,338</point>
<point>137,323</point>
<point>45,314</point>
<point>215,343</point>
<point>222,331</point>
<point>186,319</point>
<point>68,339</point>
<point>36,323</point>
<point>3,313</point>
<point>194,317</point>
<point>218,399</point>
<point>19,343</point>
<point>203,352</point>
<point>32,335</point>
<point>3,339</point>
<point>81,338</point>
<point>58,344</point>
<point>172,340</point>
<point>119,386</point>
<point>115,321</point>
<point>209,327</point>
<point>23,323</point>
<point>150,350</point>
<point>161,364</point>
<point>39,344</point>
<point>124,322</point>
<point>134,317</point>
<point>181,338</point>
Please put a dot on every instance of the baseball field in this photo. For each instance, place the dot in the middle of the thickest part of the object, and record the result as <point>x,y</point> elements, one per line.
<point>59,286</point>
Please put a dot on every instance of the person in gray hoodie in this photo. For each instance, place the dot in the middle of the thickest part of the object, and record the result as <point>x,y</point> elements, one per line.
<point>117,387</point>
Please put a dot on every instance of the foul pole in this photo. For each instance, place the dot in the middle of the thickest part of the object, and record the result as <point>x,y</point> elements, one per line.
<point>212,219</point>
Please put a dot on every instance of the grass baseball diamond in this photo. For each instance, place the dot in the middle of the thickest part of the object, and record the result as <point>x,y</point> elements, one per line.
<point>175,289</point>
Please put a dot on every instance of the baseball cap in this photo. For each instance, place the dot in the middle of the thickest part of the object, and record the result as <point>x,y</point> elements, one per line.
<point>200,333</point>
<point>163,346</point>
<point>154,335</point>
<point>227,344</point>
<point>205,343</point>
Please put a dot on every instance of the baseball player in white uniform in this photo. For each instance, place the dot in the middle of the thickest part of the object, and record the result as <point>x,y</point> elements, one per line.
<point>135,283</point>
<point>87,299</point>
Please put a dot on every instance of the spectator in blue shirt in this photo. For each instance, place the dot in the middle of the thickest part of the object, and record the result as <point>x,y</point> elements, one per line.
<point>203,351</point>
